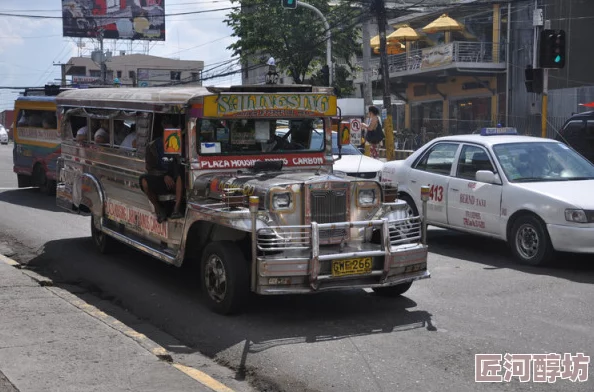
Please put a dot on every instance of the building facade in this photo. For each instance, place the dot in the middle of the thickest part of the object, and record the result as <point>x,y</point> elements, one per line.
<point>460,81</point>
<point>135,70</point>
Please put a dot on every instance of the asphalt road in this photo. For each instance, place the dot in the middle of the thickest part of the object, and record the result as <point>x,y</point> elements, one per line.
<point>477,301</point>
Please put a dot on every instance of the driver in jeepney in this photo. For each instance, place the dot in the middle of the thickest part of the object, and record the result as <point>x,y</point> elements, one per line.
<point>164,175</point>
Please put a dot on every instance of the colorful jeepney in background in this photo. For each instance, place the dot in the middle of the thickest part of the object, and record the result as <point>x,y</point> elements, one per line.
<point>36,142</point>
<point>263,210</point>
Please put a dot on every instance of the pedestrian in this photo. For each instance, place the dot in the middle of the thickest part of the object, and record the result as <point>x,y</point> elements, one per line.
<point>373,131</point>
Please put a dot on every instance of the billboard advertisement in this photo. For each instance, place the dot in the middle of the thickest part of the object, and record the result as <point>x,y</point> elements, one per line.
<point>115,19</point>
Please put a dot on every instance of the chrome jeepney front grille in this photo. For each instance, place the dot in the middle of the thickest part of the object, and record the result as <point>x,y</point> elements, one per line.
<point>329,206</point>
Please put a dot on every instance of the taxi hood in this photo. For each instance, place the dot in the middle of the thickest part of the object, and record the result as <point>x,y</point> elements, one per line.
<point>574,193</point>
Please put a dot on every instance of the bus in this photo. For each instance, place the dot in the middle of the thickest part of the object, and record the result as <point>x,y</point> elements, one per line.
<point>36,142</point>
<point>263,211</point>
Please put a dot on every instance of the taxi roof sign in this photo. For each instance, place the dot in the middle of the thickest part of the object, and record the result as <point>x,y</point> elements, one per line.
<point>499,131</point>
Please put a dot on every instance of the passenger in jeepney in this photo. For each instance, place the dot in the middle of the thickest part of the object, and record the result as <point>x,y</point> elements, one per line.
<point>101,136</point>
<point>163,175</point>
<point>129,141</point>
<point>81,134</point>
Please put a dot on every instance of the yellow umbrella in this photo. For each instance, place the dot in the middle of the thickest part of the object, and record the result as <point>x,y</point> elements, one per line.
<point>404,33</point>
<point>443,23</point>
<point>375,41</point>
<point>390,48</point>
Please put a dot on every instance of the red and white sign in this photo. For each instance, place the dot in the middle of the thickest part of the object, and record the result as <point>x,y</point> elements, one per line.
<point>239,162</point>
<point>142,219</point>
<point>355,131</point>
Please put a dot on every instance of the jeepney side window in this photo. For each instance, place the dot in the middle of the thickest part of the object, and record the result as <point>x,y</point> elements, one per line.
<point>79,128</point>
<point>100,131</point>
<point>124,133</point>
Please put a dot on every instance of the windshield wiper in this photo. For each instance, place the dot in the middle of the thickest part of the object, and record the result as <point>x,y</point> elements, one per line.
<point>577,178</point>
<point>529,179</point>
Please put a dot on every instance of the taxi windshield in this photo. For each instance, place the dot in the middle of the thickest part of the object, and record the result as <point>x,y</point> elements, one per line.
<point>541,162</point>
<point>257,136</point>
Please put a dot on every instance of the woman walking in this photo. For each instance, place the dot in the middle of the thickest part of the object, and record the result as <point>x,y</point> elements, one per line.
<point>373,131</point>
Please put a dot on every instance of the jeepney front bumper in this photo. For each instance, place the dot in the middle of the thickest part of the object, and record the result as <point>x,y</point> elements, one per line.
<point>291,259</point>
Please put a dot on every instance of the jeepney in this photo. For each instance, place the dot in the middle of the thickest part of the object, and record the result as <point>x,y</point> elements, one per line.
<point>264,211</point>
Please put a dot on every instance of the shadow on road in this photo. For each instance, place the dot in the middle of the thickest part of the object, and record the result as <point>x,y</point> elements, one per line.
<point>30,197</point>
<point>169,298</point>
<point>496,254</point>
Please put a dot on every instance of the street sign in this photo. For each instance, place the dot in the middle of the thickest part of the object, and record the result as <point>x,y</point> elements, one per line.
<point>355,126</point>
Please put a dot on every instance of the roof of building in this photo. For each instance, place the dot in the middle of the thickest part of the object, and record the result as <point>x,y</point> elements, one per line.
<point>137,61</point>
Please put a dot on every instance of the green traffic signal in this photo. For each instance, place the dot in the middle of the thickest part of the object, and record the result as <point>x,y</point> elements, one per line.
<point>558,59</point>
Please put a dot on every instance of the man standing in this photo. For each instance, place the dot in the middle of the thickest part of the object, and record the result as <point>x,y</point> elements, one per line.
<point>163,176</point>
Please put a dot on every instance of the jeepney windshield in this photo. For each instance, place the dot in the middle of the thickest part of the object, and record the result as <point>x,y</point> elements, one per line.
<point>257,136</point>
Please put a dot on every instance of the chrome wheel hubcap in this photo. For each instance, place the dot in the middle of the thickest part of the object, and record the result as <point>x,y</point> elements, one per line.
<point>215,278</point>
<point>527,241</point>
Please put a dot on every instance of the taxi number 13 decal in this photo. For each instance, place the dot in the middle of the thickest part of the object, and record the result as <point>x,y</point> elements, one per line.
<point>436,193</point>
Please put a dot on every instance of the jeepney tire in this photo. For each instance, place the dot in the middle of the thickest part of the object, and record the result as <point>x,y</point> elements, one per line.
<point>411,204</point>
<point>393,291</point>
<point>23,180</point>
<point>224,257</point>
<point>104,243</point>
<point>530,242</point>
<point>40,180</point>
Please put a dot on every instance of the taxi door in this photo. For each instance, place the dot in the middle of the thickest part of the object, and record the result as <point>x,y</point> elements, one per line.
<point>473,205</point>
<point>434,169</point>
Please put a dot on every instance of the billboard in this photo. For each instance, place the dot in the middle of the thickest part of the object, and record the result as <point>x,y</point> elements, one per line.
<point>116,19</point>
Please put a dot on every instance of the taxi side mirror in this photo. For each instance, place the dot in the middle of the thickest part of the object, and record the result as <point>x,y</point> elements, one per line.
<point>487,176</point>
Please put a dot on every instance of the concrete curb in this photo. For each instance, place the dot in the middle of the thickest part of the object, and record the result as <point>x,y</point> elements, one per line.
<point>146,343</point>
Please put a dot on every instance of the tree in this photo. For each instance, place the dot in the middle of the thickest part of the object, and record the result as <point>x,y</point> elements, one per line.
<point>295,38</point>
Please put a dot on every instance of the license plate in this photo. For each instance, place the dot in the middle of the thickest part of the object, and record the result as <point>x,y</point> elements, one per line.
<point>351,266</point>
<point>415,268</point>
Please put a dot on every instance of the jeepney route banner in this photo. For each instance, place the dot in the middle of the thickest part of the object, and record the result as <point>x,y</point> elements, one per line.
<point>269,105</point>
<point>38,134</point>
<point>136,217</point>
<point>245,162</point>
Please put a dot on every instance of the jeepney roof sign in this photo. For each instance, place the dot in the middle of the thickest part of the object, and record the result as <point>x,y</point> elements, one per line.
<point>269,105</point>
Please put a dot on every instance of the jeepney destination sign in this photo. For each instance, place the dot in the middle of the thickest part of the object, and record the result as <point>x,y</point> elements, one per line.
<point>269,105</point>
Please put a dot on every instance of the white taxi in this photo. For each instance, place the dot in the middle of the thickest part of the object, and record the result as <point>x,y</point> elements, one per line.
<point>534,193</point>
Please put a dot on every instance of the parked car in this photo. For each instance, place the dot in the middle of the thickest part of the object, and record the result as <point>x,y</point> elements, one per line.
<point>3,135</point>
<point>578,133</point>
<point>352,162</point>
<point>534,193</point>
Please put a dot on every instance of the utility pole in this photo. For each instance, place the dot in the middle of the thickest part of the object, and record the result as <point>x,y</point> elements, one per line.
<point>367,88</point>
<point>380,9</point>
<point>102,62</point>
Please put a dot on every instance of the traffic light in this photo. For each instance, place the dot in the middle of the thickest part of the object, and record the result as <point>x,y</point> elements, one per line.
<point>552,49</point>
<point>533,79</point>
<point>326,75</point>
<point>292,4</point>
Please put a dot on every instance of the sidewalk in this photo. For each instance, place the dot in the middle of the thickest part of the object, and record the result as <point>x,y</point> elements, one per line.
<point>51,340</point>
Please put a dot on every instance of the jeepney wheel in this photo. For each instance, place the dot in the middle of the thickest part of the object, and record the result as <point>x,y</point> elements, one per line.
<point>40,180</point>
<point>530,242</point>
<point>225,277</point>
<point>104,243</point>
<point>23,181</point>
<point>393,291</point>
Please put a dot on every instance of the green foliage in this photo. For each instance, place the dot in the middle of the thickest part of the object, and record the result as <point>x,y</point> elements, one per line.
<point>342,85</point>
<point>295,38</point>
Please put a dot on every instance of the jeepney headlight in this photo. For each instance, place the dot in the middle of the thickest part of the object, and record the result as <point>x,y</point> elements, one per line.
<point>282,201</point>
<point>578,216</point>
<point>366,197</point>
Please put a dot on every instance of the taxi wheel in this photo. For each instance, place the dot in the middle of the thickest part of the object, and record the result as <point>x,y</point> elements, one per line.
<point>104,243</point>
<point>225,277</point>
<point>530,242</point>
<point>393,291</point>
<point>412,208</point>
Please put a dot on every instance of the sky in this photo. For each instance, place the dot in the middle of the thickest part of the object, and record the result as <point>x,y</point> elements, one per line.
<point>29,47</point>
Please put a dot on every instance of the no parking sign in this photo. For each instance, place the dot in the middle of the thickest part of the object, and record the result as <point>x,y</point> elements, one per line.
<point>355,131</point>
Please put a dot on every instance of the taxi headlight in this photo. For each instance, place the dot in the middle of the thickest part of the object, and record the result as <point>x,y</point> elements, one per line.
<point>578,216</point>
<point>282,201</point>
<point>366,197</point>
